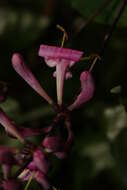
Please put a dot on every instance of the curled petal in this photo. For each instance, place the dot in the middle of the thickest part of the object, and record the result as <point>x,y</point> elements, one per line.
<point>22,69</point>
<point>87,90</point>
<point>41,161</point>
<point>42,179</point>
<point>59,53</point>
<point>62,58</point>
<point>10,126</point>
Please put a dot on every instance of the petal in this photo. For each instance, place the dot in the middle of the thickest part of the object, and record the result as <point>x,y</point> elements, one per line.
<point>10,126</point>
<point>25,175</point>
<point>61,69</point>
<point>42,179</point>
<point>58,52</point>
<point>67,76</point>
<point>87,90</point>
<point>52,143</point>
<point>41,161</point>
<point>51,62</point>
<point>28,132</point>
<point>27,75</point>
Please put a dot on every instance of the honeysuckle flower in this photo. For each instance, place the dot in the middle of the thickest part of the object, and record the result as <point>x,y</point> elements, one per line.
<point>62,59</point>
<point>87,90</point>
<point>24,71</point>
<point>10,126</point>
<point>37,176</point>
<point>39,167</point>
<point>41,162</point>
<point>53,143</point>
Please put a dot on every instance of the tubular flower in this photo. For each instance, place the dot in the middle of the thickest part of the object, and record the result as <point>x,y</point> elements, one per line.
<point>62,59</point>
<point>87,90</point>
<point>24,71</point>
<point>9,126</point>
<point>39,167</point>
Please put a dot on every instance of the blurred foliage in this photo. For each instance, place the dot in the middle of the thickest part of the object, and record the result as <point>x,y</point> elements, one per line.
<point>89,6</point>
<point>99,157</point>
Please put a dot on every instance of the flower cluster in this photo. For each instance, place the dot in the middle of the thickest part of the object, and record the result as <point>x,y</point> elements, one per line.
<point>37,162</point>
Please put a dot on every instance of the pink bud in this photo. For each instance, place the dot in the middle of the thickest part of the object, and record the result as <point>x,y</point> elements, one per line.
<point>9,126</point>
<point>24,71</point>
<point>41,161</point>
<point>52,143</point>
<point>87,90</point>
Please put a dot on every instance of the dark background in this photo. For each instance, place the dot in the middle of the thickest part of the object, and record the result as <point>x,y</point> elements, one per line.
<point>99,156</point>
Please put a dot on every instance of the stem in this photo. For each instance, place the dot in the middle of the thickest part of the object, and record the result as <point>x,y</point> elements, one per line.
<point>65,36</point>
<point>93,16</point>
<point>108,35</point>
<point>93,64</point>
<point>110,32</point>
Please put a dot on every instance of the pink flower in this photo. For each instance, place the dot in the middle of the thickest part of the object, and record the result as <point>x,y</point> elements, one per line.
<point>37,176</point>
<point>87,90</point>
<point>24,71</point>
<point>9,126</point>
<point>62,59</point>
<point>38,168</point>
<point>41,162</point>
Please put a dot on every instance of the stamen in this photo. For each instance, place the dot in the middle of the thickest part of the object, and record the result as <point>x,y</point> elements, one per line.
<point>96,57</point>
<point>29,181</point>
<point>65,36</point>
